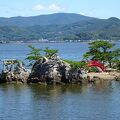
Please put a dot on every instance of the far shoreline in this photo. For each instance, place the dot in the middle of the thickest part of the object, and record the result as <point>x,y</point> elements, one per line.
<point>52,42</point>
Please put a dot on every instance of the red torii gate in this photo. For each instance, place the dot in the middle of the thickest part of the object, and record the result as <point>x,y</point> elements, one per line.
<point>98,64</point>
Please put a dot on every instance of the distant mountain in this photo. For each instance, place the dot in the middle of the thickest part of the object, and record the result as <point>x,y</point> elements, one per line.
<point>51,19</point>
<point>85,30</point>
<point>61,26</point>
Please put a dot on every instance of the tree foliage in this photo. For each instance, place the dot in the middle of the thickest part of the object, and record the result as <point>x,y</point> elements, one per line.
<point>49,53</point>
<point>103,51</point>
<point>76,64</point>
<point>34,54</point>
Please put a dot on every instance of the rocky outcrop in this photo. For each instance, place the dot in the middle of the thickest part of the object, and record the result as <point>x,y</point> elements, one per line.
<point>44,71</point>
<point>50,71</point>
<point>55,71</point>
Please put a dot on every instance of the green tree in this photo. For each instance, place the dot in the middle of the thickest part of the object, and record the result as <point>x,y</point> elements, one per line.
<point>49,53</point>
<point>103,51</point>
<point>34,54</point>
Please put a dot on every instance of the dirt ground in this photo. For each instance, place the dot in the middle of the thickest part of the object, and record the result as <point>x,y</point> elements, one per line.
<point>105,75</point>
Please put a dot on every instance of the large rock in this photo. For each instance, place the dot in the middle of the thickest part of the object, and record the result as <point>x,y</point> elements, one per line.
<point>50,71</point>
<point>19,74</point>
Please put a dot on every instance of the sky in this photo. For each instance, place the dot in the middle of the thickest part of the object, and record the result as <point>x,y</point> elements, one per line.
<point>93,8</point>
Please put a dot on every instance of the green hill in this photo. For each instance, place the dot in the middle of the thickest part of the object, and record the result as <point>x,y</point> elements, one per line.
<point>51,19</point>
<point>60,26</point>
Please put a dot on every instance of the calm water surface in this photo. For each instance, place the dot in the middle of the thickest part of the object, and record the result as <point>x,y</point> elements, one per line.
<point>66,50</point>
<point>71,102</point>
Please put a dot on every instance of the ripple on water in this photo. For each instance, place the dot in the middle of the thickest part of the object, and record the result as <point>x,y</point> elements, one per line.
<point>66,102</point>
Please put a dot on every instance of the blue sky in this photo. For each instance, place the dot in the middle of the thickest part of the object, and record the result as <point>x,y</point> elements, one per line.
<point>94,8</point>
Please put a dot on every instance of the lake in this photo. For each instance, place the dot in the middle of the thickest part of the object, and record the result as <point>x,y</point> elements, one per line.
<point>70,102</point>
<point>66,50</point>
<point>100,101</point>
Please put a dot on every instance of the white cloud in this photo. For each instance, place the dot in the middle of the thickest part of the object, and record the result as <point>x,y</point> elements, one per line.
<point>55,7</point>
<point>38,7</point>
<point>51,7</point>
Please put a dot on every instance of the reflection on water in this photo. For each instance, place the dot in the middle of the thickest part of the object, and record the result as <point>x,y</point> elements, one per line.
<point>100,101</point>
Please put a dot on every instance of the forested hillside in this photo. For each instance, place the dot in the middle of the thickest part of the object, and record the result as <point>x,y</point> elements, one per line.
<point>61,26</point>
